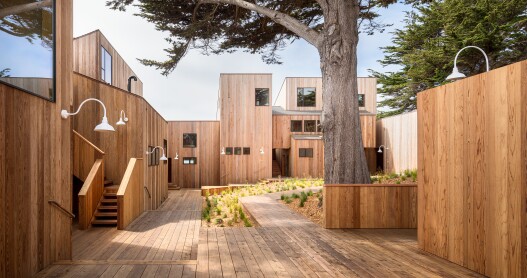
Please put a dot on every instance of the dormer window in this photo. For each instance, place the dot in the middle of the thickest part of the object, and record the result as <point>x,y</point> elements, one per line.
<point>306,97</point>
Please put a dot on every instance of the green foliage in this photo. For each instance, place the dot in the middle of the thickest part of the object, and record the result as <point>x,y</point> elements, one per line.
<point>425,48</point>
<point>295,196</point>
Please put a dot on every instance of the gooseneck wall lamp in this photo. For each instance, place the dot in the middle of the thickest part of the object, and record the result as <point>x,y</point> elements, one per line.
<point>177,156</point>
<point>122,118</point>
<point>222,151</point>
<point>163,157</point>
<point>380,148</point>
<point>262,150</point>
<point>102,127</point>
<point>456,75</point>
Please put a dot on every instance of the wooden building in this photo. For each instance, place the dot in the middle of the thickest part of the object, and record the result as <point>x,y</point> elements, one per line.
<point>95,57</point>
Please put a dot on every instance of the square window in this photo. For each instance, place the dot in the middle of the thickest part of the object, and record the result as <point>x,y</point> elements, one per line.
<point>190,161</point>
<point>305,152</point>
<point>319,127</point>
<point>362,100</point>
<point>296,126</point>
<point>190,140</point>
<point>246,151</point>
<point>228,151</point>
<point>262,96</point>
<point>237,151</point>
<point>310,126</point>
<point>306,97</point>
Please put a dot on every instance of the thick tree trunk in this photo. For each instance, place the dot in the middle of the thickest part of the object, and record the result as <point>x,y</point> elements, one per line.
<point>344,158</point>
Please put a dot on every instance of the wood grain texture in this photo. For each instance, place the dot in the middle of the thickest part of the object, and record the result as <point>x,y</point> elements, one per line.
<point>130,194</point>
<point>39,86</point>
<point>90,194</point>
<point>87,61</point>
<point>306,167</point>
<point>245,125</point>
<point>35,166</point>
<point>287,97</point>
<point>207,171</point>
<point>348,206</point>
<point>84,156</point>
<point>472,161</point>
<point>399,135</point>
<point>144,128</point>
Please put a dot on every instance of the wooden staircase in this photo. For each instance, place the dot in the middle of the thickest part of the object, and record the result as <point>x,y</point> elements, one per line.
<point>277,171</point>
<point>106,213</point>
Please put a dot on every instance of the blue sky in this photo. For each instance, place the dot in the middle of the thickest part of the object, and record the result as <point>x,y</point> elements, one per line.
<point>190,92</point>
<point>16,53</point>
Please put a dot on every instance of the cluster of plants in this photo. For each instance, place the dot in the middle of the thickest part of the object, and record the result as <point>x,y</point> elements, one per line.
<point>225,209</point>
<point>303,196</point>
<point>405,176</point>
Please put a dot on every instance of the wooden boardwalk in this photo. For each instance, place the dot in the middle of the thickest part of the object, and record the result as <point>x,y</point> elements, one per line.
<point>169,242</point>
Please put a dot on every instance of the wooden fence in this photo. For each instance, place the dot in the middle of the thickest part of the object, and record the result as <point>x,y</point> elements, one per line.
<point>399,134</point>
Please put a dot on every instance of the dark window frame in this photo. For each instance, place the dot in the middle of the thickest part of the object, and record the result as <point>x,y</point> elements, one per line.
<point>301,125</point>
<point>165,145</point>
<point>305,152</point>
<point>319,127</point>
<point>229,150</point>
<point>256,96</point>
<point>312,123</point>
<point>150,156</point>
<point>301,97</point>
<point>192,159</point>
<point>105,51</point>
<point>195,140</point>
<point>362,102</point>
<point>246,151</point>
<point>237,151</point>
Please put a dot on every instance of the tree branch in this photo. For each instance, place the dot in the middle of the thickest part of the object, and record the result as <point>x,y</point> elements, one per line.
<point>24,8</point>
<point>289,22</point>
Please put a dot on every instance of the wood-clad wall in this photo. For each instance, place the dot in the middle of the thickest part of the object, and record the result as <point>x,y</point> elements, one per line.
<point>35,166</point>
<point>287,97</point>
<point>144,128</point>
<point>356,206</point>
<point>130,196</point>
<point>87,61</point>
<point>207,171</point>
<point>399,134</point>
<point>472,177</point>
<point>245,125</point>
<point>282,129</point>
<point>39,86</point>
<point>306,167</point>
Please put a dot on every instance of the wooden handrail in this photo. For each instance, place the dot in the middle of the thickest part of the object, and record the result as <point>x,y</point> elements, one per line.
<point>130,201</point>
<point>88,142</point>
<point>148,191</point>
<point>91,193</point>
<point>59,206</point>
<point>85,153</point>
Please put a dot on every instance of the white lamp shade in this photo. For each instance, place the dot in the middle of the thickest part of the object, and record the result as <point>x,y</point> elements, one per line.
<point>456,75</point>
<point>177,157</point>
<point>379,151</point>
<point>120,122</point>
<point>222,151</point>
<point>104,126</point>
<point>163,158</point>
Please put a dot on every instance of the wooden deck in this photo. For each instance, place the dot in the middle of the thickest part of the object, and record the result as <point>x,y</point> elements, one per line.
<point>170,243</point>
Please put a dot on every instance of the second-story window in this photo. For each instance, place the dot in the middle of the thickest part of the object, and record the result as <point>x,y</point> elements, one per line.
<point>362,100</point>
<point>296,126</point>
<point>262,96</point>
<point>106,66</point>
<point>190,140</point>
<point>310,126</point>
<point>306,97</point>
<point>190,161</point>
<point>305,152</point>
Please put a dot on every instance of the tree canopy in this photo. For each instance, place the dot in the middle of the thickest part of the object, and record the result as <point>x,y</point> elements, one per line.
<point>425,48</point>
<point>31,21</point>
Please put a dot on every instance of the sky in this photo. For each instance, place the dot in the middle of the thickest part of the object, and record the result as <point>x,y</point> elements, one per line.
<point>190,92</point>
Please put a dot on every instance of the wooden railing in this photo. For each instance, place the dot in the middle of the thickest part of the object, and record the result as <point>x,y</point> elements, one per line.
<point>130,194</point>
<point>91,193</point>
<point>85,153</point>
<point>61,208</point>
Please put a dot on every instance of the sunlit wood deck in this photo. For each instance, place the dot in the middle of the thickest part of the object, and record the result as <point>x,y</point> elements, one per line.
<point>170,243</point>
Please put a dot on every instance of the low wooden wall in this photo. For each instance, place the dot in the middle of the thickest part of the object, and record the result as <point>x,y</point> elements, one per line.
<point>473,171</point>
<point>348,206</point>
<point>130,194</point>
<point>399,134</point>
<point>90,194</point>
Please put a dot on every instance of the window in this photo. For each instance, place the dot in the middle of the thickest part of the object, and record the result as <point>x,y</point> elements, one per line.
<point>296,126</point>
<point>246,151</point>
<point>153,157</point>
<point>165,145</point>
<point>306,97</point>
<point>310,126</point>
<point>228,151</point>
<point>362,100</point>
<point>262,96</point>
<point>305,152</point>
<point>106,66</point>
<point>319,127</point>
<point>237,151</point>
<point>190,161</point>
<point>190,140</point>
<point>27,46</point>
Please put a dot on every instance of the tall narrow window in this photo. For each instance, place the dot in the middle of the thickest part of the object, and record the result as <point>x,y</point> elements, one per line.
<point>310,126</point>
<point>106,66</point>
<point>296,126</point>
<point>151,156</point>
<point>165,145</point>
<point>306,97</point>
<point>319,126</point>
<point>305,152</point>
<point>190,140</point>
<point>362,100</point>
<point>262,96</point>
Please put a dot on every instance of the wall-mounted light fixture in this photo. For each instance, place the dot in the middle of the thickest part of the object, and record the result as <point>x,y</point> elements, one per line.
<point>122,119</point>
<point>163,157</point>
<point>177,156</point>
<point>130,82</point>
<point>456,75</point>
<point>222,151</point>
<point>261,150</point>
<point>102,127</point>
<point>382,146</point>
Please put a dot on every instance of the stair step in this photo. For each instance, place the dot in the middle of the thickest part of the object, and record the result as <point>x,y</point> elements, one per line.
<point>104,222</point>
<point>110,195</point>
<point>101,207</point>
<point>108,182</point>
<point>111,201</point>
<point>111,189</point>
<point>106,214</point>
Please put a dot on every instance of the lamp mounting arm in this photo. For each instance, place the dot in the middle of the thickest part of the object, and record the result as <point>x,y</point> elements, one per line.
<point>65,114</point>
<point>471,46</point>
<point>156,147</point>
